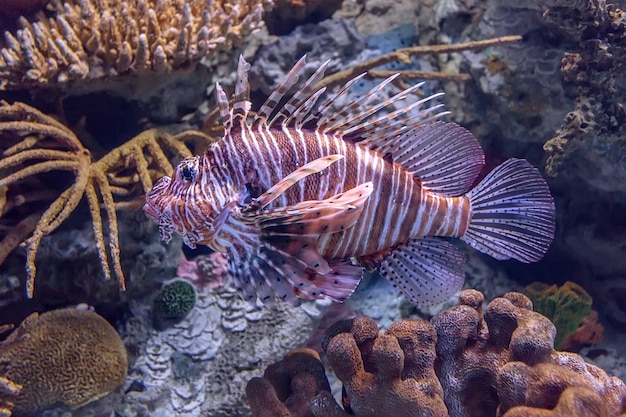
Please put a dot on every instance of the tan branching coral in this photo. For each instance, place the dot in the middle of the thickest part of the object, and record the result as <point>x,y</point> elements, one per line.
<point>92,39</point>
<point>8,392</point>
<point>33,143</point>
<point>68,356</point>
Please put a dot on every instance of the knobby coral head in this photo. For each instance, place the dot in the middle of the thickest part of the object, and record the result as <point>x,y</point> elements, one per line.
<point>181,203</point>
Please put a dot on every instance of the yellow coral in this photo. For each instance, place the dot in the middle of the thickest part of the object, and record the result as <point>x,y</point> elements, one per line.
<point>33,143</point>
<point>87,39</point>
<point>67,356</point>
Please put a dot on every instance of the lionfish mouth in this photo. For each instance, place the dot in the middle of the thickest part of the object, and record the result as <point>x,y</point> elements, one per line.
<point>151,207</point>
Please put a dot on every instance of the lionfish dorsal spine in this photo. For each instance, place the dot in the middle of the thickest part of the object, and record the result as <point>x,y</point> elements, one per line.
<point>222,104</point>
<point>272,102</point>
<point>333,120</point>
<point>302,95</point>
<point>325,105</point>
<point>303,112</point>
<point>376,133</point>
<point>359,120</point>
<point>241,105</point>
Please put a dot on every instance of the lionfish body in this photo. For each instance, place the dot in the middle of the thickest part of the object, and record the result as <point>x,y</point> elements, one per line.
<point>294,193</point>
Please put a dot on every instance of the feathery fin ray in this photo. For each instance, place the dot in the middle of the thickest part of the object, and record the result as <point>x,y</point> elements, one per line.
<point>512,213</point>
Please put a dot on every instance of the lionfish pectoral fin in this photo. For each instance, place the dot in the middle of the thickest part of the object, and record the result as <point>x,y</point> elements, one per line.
<point>445,157</point>
<point>336,281</point>
<point>316,217</point>
<point>286,263</point>
<point>283,185</point>
<point>427,270</point>
<point>272,273</point>
<point>513,213</point>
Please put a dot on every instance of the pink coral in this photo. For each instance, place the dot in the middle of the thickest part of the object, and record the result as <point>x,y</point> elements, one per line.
<point>205,270</point>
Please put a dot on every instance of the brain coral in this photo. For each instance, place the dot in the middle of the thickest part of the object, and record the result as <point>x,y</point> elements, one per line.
<point>67,356</point>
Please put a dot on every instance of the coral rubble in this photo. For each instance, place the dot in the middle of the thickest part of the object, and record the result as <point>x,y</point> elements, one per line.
<point>497,361</point>
<point>69,356</point>
<point>89,40</point>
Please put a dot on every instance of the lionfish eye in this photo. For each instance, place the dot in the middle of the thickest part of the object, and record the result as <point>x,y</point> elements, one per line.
<point>188,173</point>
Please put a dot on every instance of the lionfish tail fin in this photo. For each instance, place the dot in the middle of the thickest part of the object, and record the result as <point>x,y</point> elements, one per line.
<point>513,214</point>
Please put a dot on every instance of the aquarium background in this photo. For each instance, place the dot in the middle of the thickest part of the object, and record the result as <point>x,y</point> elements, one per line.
<point>554,98</point>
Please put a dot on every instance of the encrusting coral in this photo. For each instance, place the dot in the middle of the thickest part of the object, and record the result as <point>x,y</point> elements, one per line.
<point>74,40</point>
<point>69,356</point>
<point>569,308</point>
<point>33,143</point>
<point>465,363</point>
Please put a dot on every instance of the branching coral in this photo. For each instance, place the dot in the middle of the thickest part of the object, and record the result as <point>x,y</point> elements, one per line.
<point>404,55</point>
<point>91,39</point>
<point>34,143</point>
<point>8,393</point>
<point>497,362</point>
<point>68,356</point>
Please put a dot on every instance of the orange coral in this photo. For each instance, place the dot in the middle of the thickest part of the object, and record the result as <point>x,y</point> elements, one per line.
<point>288,387</point>
<point>503,358</point>
<point>8,393</point>
<point>384,375</point>
<point>67,356</point>
<point>497,362</point>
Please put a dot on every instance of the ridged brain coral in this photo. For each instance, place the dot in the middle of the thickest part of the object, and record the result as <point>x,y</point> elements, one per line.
<point>67,356</point>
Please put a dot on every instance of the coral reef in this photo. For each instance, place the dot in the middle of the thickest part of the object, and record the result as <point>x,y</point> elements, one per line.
<point>493,360</point>
<point>567,307</point>
<point>69,356</point>
<point>497,361</point>
<point>34,143</point>
<point>175,300</point>
<point>91,40</point>
<point>204,270</point>
<point>588,145</point>
<point>198,366</point>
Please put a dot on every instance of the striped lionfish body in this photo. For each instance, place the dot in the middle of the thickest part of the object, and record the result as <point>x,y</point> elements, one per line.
<point>296,192</point>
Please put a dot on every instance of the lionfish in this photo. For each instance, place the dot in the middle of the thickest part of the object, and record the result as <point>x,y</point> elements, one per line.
<point>300,197</point>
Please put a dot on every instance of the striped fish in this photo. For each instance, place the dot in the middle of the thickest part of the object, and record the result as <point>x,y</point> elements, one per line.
<point>301,197</point>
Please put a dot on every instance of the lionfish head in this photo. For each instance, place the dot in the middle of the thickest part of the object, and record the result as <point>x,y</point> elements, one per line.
<point>178,204</point>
